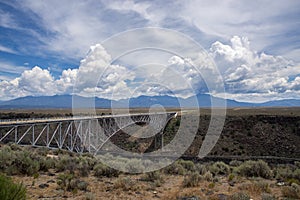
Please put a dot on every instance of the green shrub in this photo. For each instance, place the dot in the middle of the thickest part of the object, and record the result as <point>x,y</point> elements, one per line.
<point>90,196</point>
<point>297,164</point>
<point>287,173</point>
<point>263,186</point>
<point>66,162</point>
<point>175,168</point>
<point>103,170</point>
<point>192,180</point>
<point>154,177</point>
<point>211,185</point>
<point>125,184</point>
<point>46,164</point>
<point>219,168</point>
<point>151,176</point>
<point>187,165</point>
<point>296,174</point>
<point>64,181</point>
<point>10,190</point>
<point>7,159</point>
<point>239,196</point>
<point>256,187</point>
<point>266,196</point>
<point>68,182</point>
<point>208,176</point>
<point>231,177</point>
<point>81,185</point>
<point>255,169</point>
<point>83,168</point>
<point>91,162</point>
<point>201,169</point>
<point>134,166</point>
<point>14,147</point>
<point>292,191</point>
<point>25,164</point>
<point>235,163</point>
<point>283,173</point>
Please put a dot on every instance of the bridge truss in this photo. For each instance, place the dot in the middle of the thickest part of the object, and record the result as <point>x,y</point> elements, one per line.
<point>86,134</point>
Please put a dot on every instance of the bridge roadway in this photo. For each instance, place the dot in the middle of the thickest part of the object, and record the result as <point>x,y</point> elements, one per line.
<point>16,122</point>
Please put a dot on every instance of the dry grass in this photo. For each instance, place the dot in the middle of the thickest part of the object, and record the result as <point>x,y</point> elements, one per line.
<point>131,187</point>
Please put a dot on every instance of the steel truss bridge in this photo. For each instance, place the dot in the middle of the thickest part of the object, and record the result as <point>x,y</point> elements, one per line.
<point>77,134</point>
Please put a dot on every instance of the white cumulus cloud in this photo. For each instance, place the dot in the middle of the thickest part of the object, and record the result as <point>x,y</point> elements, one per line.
<point>38,82</point>
<point>97,76</point>
<point>246,71</point>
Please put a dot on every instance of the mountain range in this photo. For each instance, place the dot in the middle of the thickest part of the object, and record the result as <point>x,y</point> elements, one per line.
<point>201,100</point>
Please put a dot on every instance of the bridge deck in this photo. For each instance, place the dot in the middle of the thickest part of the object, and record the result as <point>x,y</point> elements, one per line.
<point>15,122</point>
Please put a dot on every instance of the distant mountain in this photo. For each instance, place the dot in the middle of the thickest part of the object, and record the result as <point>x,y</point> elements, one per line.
<point>57,101</point>
<point>38,102</point>
<point>282,103</point>
<point>201,100</point>
<point>206,100</point>
<point>148,101</point>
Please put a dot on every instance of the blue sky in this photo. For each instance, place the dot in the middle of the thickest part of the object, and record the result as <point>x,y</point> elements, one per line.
<point>255,45</point>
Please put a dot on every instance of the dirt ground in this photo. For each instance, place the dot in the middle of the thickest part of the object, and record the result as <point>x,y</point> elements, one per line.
<point>171,188</point>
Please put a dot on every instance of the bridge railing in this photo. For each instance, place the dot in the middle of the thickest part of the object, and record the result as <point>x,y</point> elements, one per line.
<point>34,119</point>
<point>66,118</point>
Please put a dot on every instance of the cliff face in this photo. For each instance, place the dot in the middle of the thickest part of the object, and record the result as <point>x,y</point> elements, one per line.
<point>259,135</point>
<point>248,135</point>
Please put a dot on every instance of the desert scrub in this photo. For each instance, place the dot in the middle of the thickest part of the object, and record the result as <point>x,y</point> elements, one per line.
<point>255,169</point>
<point>103,170</point>
<point>64,181</point>
<point>219,168</point>
<point>175,169</point>
<point>14,147</point>
<point>90,196</point>
<point>126,184</point>
<point>297,164</point>
<point>68,182</point>
<point>235,163</point>
<point>90,161</point>
<point>191,180</point>
<point>201,168</point>
<point>18,162</point>
<point>257,187</point>
<point>266,196</point>
<point>292,191</point>
<point>46,163</point>
<point>208,176</point>
<point>231,177</point>
<point>283,172</point>
<point>188,165</point>
<point>239,196</point>
<point>296,174</point>
<point>154,177</point>
<point>211,185</point>
<point>10,190</point>
<point>65,162</point>
<point>26,164</point>
<point>134,165</point>
<point>287,173</point>
<point>263,186</point>
<point>8,157</point>
<point>83,167</point>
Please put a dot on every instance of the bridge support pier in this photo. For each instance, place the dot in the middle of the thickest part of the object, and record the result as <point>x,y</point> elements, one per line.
<point>159,141</point>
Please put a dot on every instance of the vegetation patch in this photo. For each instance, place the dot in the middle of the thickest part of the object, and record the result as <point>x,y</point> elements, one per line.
<point>10,190</point>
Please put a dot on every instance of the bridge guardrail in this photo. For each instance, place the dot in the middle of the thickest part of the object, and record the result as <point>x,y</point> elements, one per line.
<point>50,119</point>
